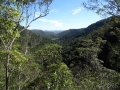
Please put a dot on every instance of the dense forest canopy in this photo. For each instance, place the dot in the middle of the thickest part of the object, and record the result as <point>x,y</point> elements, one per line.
<point>76,59</point>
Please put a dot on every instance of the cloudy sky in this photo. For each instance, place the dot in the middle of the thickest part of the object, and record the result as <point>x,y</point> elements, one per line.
<point>64,15</point>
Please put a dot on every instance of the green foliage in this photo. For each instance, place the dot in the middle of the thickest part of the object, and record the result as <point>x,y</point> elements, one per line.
<point>58,77</point>
<point>17,57</point>
<point>45,34</point>
<point>23,74</point>
<point>12,12</point>
<point>51,51</point>
<point>55,74</point>
<point>93,54</point>
<point>97,80</point>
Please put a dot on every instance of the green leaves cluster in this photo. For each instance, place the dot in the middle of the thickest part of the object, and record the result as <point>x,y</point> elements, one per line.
<point>55,74</point>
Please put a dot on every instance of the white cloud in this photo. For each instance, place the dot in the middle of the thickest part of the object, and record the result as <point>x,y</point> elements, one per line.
<point>54,22</point>
<point>51,11</point>
<point>76,11</point>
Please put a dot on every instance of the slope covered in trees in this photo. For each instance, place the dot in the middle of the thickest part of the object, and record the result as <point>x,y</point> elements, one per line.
<point>45,34</point>
<point>75,33</point>
<point>94,57</point>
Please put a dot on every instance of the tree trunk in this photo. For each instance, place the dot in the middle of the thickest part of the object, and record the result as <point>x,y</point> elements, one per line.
<point>19,77</point>
<point>7,71</point>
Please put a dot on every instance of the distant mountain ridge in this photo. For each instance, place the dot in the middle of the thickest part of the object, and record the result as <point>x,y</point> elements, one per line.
<point>71,33</point>
<point>54,31</point>
<point>75,33</point>
<point>45,34</point>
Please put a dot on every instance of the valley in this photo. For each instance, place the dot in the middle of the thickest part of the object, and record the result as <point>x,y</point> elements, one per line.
<point>91,54</point>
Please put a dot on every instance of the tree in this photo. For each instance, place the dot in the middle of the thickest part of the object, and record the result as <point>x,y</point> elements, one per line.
<point>12,13</point>
<point>104,7</point>
<point>55,74</point>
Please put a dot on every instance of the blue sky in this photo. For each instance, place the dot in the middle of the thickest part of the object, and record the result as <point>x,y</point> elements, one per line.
<point>64,15</point>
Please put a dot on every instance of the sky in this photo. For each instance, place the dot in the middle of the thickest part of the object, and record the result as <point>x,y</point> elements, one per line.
<point>64,15</point>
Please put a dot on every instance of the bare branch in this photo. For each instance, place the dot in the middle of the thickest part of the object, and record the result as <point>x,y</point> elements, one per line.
<point>102,7</point>
<point>3,43</point>
<point>30,11</point>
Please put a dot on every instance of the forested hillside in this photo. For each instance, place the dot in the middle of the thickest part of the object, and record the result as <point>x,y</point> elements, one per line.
<point>45,34</point>
<point>75,33</point>
<point>94,57</point>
